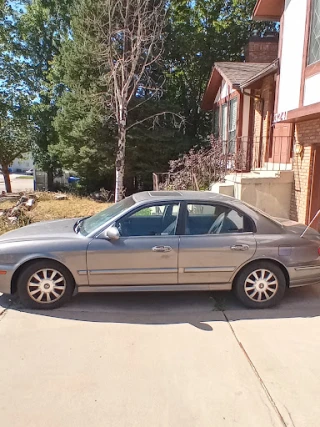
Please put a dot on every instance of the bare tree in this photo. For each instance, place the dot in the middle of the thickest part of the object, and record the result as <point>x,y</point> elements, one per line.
<point>131,36</point>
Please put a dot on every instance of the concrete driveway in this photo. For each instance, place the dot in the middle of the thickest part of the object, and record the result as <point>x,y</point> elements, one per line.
<point>169,360</point>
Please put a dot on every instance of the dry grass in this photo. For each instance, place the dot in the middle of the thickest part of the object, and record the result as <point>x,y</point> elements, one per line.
<point>47,208</point>
<point>74,207</point>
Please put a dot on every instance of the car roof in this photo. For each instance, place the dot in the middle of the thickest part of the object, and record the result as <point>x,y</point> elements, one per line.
<point>181,195</point>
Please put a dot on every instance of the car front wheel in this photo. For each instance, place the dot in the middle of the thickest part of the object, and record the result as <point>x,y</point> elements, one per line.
<point>260,285</point>
<point>45,285</point>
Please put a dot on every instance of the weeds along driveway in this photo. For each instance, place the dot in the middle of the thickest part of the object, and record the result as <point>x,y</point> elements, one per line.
<point>173,359</point>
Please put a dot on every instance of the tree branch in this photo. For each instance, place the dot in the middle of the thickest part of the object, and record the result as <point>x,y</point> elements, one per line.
<point>153,116</point>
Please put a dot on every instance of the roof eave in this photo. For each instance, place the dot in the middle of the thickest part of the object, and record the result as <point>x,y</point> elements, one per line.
<point>268,10</point>
<point>211,90</point>
<point>262,18</point>
<point>270,69</point>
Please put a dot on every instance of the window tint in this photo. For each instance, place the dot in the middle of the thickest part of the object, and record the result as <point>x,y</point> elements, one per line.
<point>214,219</point>
<point>201,209</point>
<point>150,221</point>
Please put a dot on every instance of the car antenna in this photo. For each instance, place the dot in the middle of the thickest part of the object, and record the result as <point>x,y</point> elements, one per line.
<point>314,218</point>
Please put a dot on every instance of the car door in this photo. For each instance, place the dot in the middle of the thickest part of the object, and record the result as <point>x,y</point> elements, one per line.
<point>146,252</point>
<point>218,239</point>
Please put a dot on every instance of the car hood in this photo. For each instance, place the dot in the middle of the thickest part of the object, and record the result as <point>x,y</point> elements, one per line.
<point>47,230</point>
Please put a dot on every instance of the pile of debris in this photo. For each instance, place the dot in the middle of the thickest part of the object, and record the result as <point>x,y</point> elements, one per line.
<point>18,213</point>
<point>102,196</point>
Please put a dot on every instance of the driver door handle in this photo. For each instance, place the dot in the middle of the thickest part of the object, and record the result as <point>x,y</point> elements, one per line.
<point>239,247</point>
<point>161,249</point>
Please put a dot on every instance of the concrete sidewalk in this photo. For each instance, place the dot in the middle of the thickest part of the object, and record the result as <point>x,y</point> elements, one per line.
<point>161,360</point>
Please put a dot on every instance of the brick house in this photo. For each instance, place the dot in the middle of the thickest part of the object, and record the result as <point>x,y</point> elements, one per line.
<point>285,112</point>
<point>241,96</point>
<point>297,100</point>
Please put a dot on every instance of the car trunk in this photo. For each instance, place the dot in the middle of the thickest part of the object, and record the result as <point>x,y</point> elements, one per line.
<point>297,228</point>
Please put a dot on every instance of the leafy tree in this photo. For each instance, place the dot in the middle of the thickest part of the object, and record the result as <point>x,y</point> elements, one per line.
<point>199,33</point>
<point>60,55</point>
<point>16,135</point>
<point>41,29</point>
<point>99,81</point>
<point>86,142</point>
<point>151,145</point>
<point>16,129</point>
<point>129,40</point>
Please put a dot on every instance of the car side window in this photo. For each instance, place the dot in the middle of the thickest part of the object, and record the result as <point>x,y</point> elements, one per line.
<point>150,221</point>
<point>214,219</point>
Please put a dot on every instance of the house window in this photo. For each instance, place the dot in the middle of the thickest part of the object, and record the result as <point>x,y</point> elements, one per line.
<point>216,123</point>
<point>232,126</point>
<point>225,126</point>
<point>314,42</point>
<point>223,132</point>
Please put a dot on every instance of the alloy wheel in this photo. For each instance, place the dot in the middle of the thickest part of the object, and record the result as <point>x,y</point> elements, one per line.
<point>261,285</point>
<point>46,286</point>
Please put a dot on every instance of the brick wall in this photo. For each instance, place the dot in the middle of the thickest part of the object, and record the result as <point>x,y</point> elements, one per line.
<point>263,111</point>
<point>302,167</point>
<point>307,134</point>
<point>262,50</point>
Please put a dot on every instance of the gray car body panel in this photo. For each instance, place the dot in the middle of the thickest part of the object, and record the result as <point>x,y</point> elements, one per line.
<point>195,262</point>
<point>54,240</point>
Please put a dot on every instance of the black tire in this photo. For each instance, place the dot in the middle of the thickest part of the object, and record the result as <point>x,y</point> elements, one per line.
<point>243,283</point>
<point>62,272</point>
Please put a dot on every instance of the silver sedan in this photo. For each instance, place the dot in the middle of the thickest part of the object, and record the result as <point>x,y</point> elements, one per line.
<point>161,241</point>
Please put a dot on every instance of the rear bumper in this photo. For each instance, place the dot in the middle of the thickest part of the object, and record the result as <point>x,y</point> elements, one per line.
<point>306,275</point>
<point>297,283</point>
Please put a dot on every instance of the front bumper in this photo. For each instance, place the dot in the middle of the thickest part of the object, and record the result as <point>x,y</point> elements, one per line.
<point>5,279</point>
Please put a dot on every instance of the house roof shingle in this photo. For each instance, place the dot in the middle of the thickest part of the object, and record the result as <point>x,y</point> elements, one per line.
<point>237,74</point>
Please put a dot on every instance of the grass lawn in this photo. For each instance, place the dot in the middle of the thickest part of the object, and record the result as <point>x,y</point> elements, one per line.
<point>47,208</point>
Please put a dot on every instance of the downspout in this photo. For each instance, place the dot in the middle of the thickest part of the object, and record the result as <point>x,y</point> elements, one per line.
<point>310,193</point>
<point>261,132</point>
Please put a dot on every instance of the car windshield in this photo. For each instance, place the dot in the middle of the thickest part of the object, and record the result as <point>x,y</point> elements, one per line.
<point>88,225</point>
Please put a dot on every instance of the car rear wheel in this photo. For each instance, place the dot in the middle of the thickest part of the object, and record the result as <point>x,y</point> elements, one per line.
<point>260,285</point>
<point>45,285</point>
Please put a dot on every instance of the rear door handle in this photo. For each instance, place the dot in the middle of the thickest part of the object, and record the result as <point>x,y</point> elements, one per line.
<point>239,247</point>
<point>161,249</point>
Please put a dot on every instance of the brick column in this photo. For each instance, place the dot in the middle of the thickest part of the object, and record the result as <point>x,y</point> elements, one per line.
<point>307,133</point>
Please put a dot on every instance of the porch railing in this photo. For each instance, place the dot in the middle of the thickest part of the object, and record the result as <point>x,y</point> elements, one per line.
<point>271,154</point>
<point>213,163</point>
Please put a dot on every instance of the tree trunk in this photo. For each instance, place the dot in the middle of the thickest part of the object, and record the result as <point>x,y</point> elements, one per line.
<point>120,163</point>
<point>50,179</point>
<point>6,177</point>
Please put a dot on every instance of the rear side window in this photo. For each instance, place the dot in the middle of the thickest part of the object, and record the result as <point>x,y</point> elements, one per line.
<point>215,219</point>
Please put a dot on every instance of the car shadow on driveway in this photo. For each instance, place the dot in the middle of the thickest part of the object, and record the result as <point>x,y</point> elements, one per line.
<point>161,308</point>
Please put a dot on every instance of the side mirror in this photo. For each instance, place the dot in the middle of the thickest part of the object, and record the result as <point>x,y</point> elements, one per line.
<point>112,233</point>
